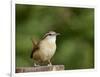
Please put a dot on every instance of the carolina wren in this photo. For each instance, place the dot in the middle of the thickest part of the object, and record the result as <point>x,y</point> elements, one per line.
<point>44,50</point>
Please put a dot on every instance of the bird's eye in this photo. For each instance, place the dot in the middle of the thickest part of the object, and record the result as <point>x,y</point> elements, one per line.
<point>50,34</point>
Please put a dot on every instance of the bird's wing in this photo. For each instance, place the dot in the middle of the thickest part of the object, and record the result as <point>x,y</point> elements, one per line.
<point>35,47</point>
<point>34,50</point>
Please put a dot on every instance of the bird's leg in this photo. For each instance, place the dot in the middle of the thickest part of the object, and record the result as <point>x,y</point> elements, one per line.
<point>36,64</point>
<point>50,64</point>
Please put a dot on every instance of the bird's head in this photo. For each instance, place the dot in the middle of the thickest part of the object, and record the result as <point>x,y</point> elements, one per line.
<point>51,35</point>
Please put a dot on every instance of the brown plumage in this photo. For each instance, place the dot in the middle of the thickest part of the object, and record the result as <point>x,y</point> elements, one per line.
<point>44,50</point>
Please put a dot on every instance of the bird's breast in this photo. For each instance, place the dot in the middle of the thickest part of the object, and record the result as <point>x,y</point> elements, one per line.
<point>48,48</point>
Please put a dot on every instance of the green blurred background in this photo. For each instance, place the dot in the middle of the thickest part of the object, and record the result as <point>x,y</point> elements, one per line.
<point>75,45</point>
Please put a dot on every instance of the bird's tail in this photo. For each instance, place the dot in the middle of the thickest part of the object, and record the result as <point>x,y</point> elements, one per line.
<point>31,56</point>
<point>34,42</point>
<point>34,45</point>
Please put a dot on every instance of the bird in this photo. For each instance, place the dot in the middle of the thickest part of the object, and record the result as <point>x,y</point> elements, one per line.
<point>45,49</point>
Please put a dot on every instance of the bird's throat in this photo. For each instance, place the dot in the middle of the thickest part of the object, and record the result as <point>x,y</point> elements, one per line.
<point>52,40</point>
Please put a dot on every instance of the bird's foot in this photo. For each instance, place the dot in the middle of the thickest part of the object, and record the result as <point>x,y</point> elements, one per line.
<point>36,65</point>
<point>49,64</point>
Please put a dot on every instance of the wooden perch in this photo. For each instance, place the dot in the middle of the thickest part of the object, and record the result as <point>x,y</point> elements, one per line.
<point>40,68</point>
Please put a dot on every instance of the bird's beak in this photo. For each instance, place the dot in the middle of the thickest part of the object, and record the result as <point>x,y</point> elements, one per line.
<point>57,34</point>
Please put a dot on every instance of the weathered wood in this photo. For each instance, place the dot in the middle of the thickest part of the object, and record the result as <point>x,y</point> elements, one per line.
<point>40,68</point>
